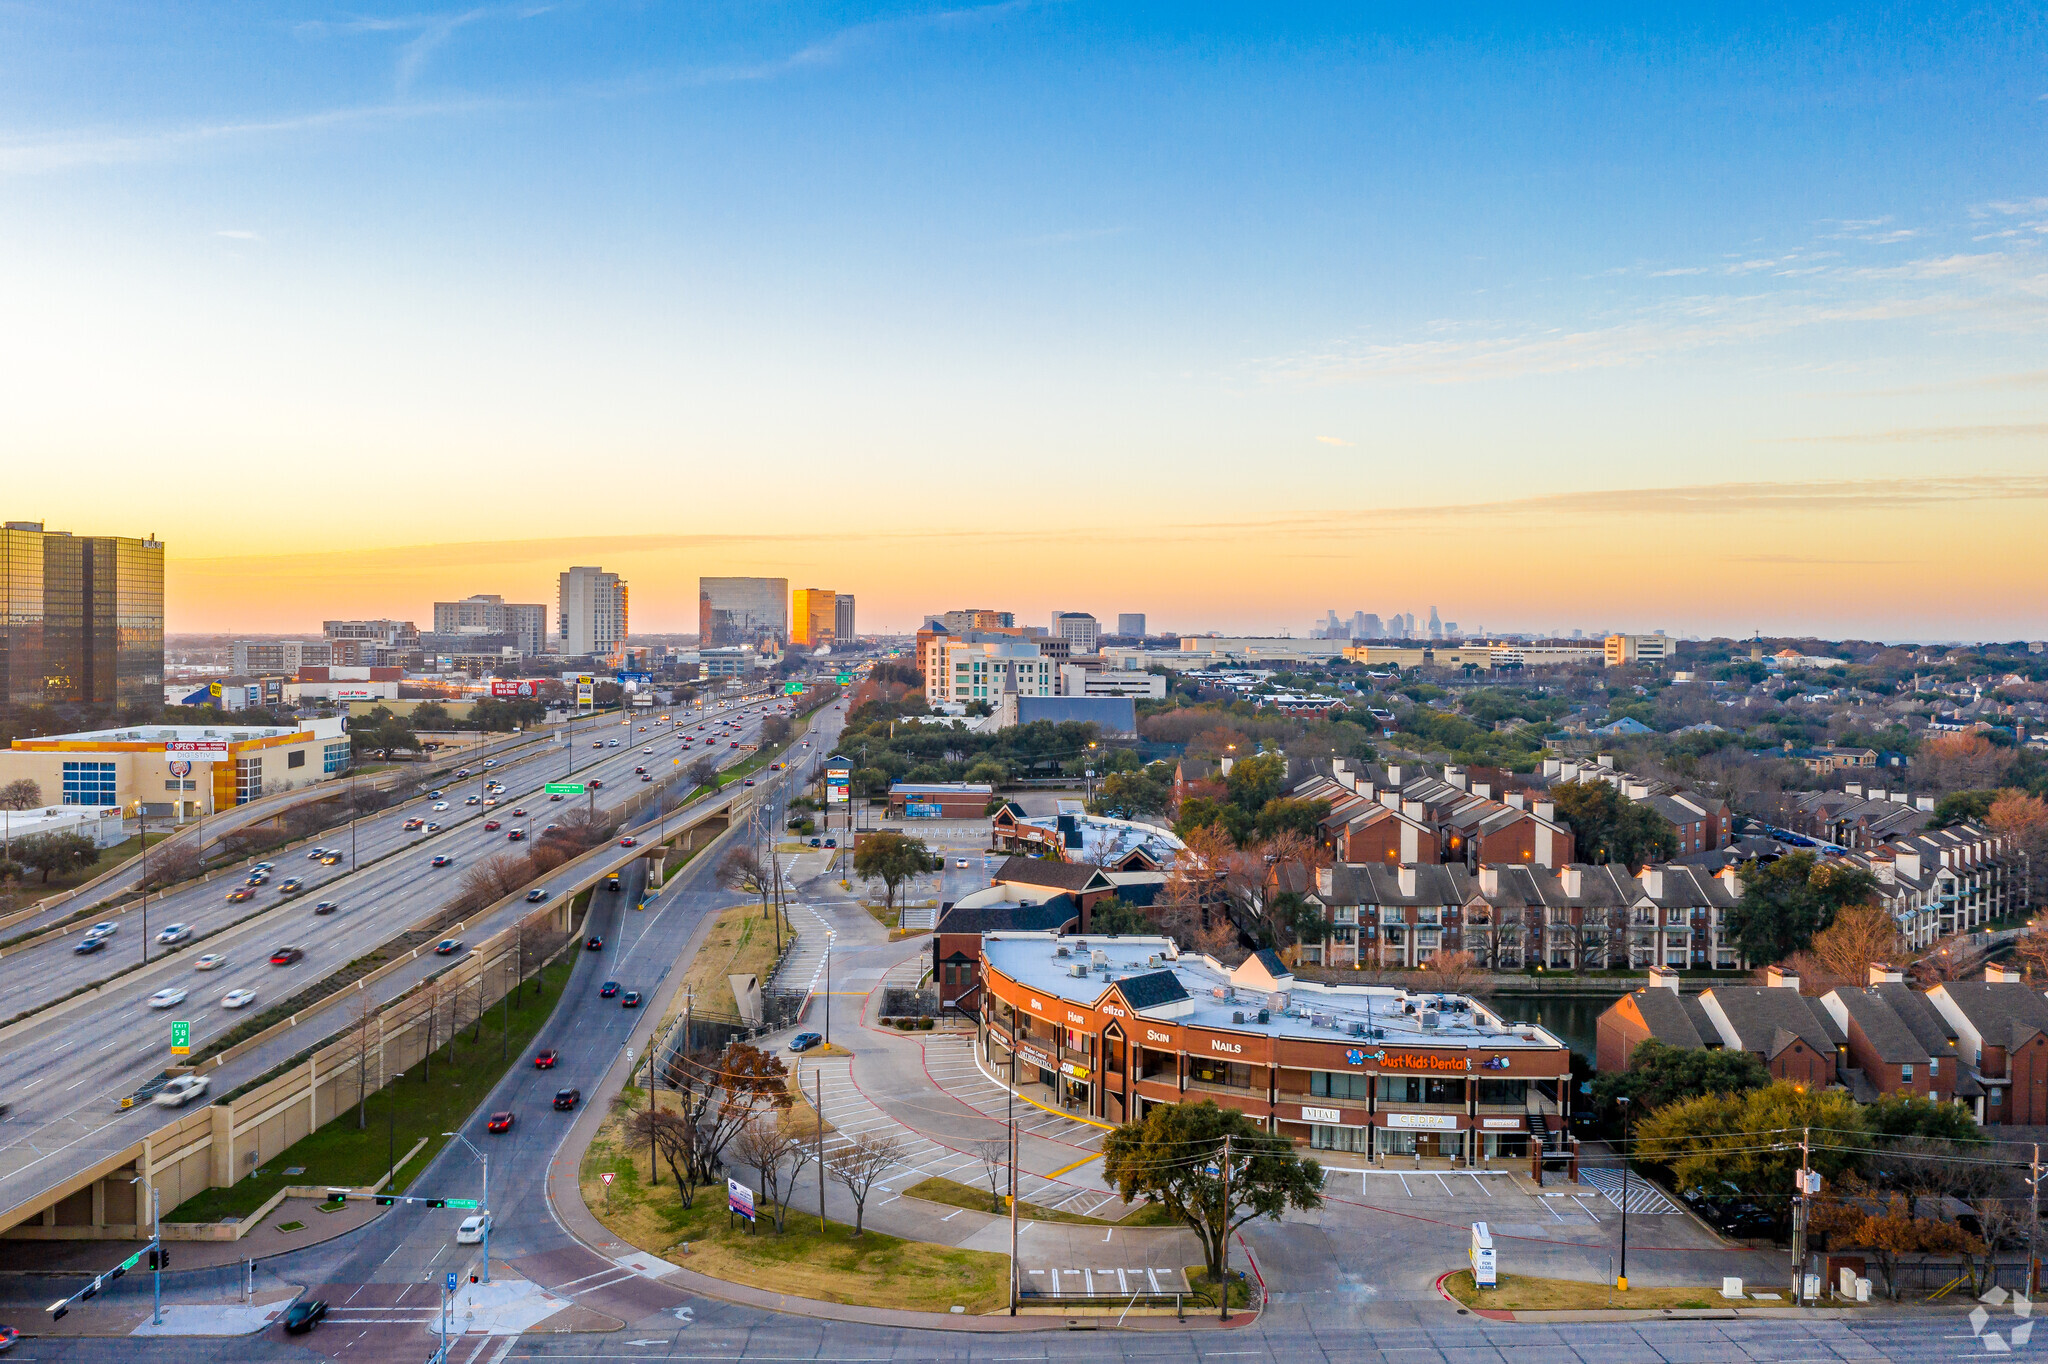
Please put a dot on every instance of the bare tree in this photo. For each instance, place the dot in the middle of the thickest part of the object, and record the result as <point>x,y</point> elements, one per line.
<point>359,1041</point>
<point>994,1155</point>
<point>857,1165</point>
<point>179,861</point>
<point>1452,973</point>
<point>667,1135</point>
<point>427,999</point>
<point>778,1152</point>
<point>21,794</point>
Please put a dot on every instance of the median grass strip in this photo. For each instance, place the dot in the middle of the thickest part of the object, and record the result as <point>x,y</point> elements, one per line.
<point>1240,1285</point>
<point>822,1261</point>
<point>954,1194</point>
<point>1525,1293</point>
<point>432,1098</point>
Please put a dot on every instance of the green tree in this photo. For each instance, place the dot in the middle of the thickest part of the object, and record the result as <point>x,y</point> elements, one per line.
<point>1958,806</point>
<point>1124,794</point>
<point>1255,780</point>
<point>56,853</point>
<point>1296,919</point>
<point>1283,814</point>
<point>987,772</point>
<point>1119,916</point>
<point>1658,1075</point>
<point>892,859</point>
<point>1609,827</point>
<point>1165,1159</point>
<point>1900,1114</point>
<point>431,716</point>
<point>1787,901</point>
<point>1752,1140</point>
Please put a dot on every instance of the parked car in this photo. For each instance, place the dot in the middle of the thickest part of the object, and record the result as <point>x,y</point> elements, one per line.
<point>804,1041</point>
<point>500,1122</point>
<point>326,907</point>
<point>304,1315</point>
<point>608,989</point>
<point>166,997</point>
<point>545,1059</point>
<point>447,947</point>
<point>211,961</point>
<point>566,1099</point>
<point>174,933</point>
<point>536,895</point>
<point>180,1091</point>
<point>238,999</point>
<point>286,956</point>
<point>631,1000</point>
<point>472,1229</point>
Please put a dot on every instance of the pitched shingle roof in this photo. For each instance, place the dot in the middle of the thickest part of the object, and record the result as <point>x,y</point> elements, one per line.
<point>1151,990</point>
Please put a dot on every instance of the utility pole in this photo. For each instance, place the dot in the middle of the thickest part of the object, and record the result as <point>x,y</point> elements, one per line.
<point>1621,1280</point>
<point>818,1106</point>
<point>1223,1288</point>
<point>2034,1222</point>
<point>156,1236</point>
<point>1015,1275</point>
<point>1799,1202</point>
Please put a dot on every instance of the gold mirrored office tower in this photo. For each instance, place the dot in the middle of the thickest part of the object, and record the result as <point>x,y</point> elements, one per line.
<point>81,617</point>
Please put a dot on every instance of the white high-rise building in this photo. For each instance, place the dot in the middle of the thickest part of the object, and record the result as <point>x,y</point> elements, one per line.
<point>590,613</point>
<point>1080,630</point>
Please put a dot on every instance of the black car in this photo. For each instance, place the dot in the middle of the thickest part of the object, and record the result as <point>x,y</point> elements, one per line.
<point>608,989</point>
<point>566,1099</point>
<point>630,1000</point>
<point>304,1314</point>
<point>593,943</point>
<point>534,897</point>
<point>88,945</point>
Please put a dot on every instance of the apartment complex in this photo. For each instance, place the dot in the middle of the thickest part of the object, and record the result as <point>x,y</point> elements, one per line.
<point>248,657</point>
<point>983,670</point>
<point>81,617</point>
<point>488,614</point>
<point>743,612</point>
<point>591,613</point>
<point>1981,1043</point>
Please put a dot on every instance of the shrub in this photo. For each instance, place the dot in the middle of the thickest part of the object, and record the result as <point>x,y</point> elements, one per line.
<point>924,1025</point>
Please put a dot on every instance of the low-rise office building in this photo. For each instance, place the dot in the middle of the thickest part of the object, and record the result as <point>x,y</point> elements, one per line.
<point>940,800</point>
<point>1111,1026</point>
<point>104,826</point>
<point>177,770</point>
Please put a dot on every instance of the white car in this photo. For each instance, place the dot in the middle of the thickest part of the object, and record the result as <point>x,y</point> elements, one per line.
<point>166,997</point>
<point>211,961</point>
<point>472,1229</point>
<point>105,928</point>
<point>647,750</point>
<point>179,1091</point>
<point>238,999</point>
<point>440,805</point>
<point>174,933</point>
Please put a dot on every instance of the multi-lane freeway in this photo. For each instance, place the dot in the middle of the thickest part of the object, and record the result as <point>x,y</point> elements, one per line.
<point>64,1077</point>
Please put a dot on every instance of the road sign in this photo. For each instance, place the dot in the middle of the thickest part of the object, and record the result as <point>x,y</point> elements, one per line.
<point>451,1281</point>
<point>460,1202</point>
<point>565,788</point>
<point>843,678</point>
<point>181,1038</point>
<point>132,1260</point>
<point>606,1176</point>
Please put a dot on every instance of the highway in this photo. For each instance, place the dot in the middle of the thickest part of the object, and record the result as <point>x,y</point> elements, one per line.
<point>64,1076</point>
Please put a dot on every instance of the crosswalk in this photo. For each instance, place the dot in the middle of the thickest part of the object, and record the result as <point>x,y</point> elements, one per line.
<point>1643,1196</point>
<point>919,919</point>
<point>851,1113</point>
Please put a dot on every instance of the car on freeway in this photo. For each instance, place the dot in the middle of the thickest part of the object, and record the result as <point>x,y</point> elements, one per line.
<point>597,743</point>
<point>608,989</point>
<point>648,749</point>
<point>500,1122</point>
<point>166,997</point>
<point>413,824</point>
<point>433,795</point>
<point>519,812</point>
<point>211,961</point>
<point>180,1091</point>
<point>326,907</point>
<point>515,836</point>
<point>238,999</point>
<point>750,781</point>
<point>492,826</point>
<point>241,893</point>
<point>556,796</point>
<point>474,800</point>
<point>640,770</point>
<point>804,1041</point>
<point>333,859</point>
<point>628,841</point>
<point>439,806</point>
<point>647,776</point>
<point>566,1099</point>
<point>544,1059</point>
<point>594,943</point>
<point>286,956</point>
<point>490,800</point>
<point>264,866</point>
<point>174,933</point>
<point>461,772</point>
<point>447,947</point>
<point>472,1229</point>
<point>89,945</point>
<point>442,860</point>
<point>735,743</point>
<point>548,829</point>
<point>596,784</point>
<point>630,1000</point>
<point>258,877</point>
<point>490,762</point>
<point>8,1335</point>
<point>613,744</point>
<point>304,1315</point>
<point>316,854</point>
<point>536,896</point>
<point>292,886</point>
<point>432,827</point>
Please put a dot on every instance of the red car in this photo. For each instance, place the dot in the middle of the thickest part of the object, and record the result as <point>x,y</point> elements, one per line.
<point>545,1060</point>
<point>491,826</point>
<point>285,956</point>
<point>500,1122</point>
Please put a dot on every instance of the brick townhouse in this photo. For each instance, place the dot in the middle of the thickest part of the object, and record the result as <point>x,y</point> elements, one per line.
<point>1399,813</point>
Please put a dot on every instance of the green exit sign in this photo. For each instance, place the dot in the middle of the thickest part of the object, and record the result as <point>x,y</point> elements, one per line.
<point>181,1038</point>
<point>565,788</point>
<point>461,1202</point>
<point>843,678</point>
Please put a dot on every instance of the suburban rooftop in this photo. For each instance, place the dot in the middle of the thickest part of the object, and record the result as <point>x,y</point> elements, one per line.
<point>1212,995</point>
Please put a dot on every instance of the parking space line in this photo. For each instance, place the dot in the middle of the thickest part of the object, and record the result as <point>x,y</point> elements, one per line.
<point>1447,1188</point>
<point>1404,1183</point>
<point>1482,1186</point>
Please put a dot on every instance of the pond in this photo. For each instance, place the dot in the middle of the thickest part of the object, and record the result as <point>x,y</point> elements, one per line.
<point>1574,1019</point>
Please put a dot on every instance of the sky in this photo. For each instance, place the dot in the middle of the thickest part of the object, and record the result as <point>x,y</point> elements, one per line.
<point>1712,319</point>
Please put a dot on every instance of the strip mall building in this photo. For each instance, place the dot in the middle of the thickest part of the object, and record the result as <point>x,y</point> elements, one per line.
<point>1112,1025</point>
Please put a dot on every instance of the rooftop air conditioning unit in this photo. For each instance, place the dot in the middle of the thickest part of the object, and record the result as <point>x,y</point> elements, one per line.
<point>1078,969</point>
<point>1153,960</point>
<point>1237,1016</point>
<point>1320,1020</point>
<point>1099,957</point>
<point>1356,1029</point>
<point>1219,991</point>
<point>1061,952</point>
<point>1429,1018</point>
<point>1265,1016</point>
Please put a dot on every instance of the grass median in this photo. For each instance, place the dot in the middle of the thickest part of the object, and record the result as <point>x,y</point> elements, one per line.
<point>1525,1293</point>
<point>809,1259</point>
<point>430,1099</point>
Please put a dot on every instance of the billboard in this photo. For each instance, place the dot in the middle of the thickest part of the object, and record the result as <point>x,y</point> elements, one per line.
<point>354,694</point>
<point>634,681</point>
<point>507,689</point>
<point>198,750</point>
<point>586,690</point>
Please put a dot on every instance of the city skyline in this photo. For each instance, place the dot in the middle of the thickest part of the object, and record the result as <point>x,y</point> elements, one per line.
<point>1303,298</point>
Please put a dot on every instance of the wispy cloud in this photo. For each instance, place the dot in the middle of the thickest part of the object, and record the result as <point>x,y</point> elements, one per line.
<point>429,33</point>
<point>836,47</point>
<point>238,234</point>
<point>85,149</point>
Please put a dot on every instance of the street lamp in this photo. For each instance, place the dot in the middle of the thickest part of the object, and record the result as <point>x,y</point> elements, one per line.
<point>1622,1281</point>
<point>486,1198</point>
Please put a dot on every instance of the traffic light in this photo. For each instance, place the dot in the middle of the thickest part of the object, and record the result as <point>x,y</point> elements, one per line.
<point>160,1259</point>
<point>117,1271</point>
<point>59,1310</point>
<point>472,1276</point>
<point>437,1202</point>
<point>385,1200</point>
